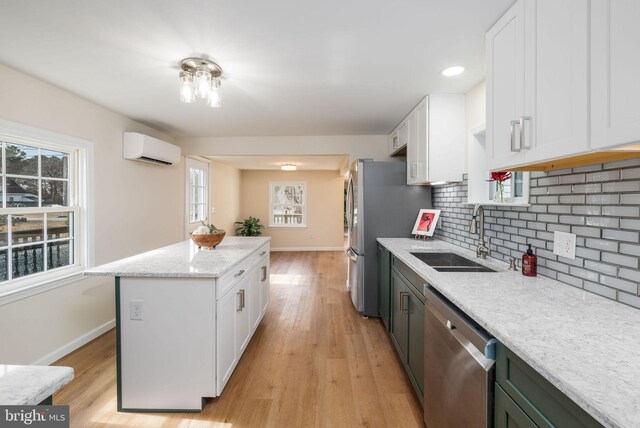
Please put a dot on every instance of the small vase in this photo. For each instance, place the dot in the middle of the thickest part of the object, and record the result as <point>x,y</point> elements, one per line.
<point>499,197</point>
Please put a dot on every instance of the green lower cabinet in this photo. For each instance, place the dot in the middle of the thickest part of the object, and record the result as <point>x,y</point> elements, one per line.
<point>407,327</point>
<point>398,314</point>
<point>384,285</point>
<point>415,342</point>
<point>544,404</point>
<point>509,414</point>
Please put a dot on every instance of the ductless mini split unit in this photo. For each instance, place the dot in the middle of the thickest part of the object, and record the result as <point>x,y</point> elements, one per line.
<point>143,148</point>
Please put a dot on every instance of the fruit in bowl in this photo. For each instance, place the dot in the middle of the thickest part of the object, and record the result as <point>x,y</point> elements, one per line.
<point>207,236</point>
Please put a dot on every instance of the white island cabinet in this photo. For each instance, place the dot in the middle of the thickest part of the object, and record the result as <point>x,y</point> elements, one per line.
<point>184,316</point>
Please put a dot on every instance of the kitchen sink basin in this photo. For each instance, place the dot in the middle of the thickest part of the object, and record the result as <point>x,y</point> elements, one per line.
<point>451,262</point>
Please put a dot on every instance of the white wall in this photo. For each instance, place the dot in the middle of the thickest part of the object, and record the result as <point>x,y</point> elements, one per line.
<point>138,207</point>
<point>475,113</point>
<point>356,146</point>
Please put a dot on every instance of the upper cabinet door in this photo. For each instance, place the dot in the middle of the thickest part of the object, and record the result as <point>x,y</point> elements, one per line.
<point>556,119</point>
<point>505,88</point>
<point>615,61</point>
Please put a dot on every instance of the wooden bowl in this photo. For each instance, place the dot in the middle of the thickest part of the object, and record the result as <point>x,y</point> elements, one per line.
<point>209,241</point>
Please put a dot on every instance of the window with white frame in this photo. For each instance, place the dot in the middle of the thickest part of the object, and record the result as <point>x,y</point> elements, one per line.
<point>287,204</point>
<point>41,236</point>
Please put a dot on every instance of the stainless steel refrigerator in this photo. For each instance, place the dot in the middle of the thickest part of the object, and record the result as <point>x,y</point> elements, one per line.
<point>379,205</point>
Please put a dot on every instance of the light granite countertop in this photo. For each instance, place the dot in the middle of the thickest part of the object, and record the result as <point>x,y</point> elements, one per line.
<point>184,259</point>
<point>30,385</point>
<point>585,345</point>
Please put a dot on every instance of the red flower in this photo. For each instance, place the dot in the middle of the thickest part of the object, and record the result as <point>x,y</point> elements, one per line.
<point>500,176</point>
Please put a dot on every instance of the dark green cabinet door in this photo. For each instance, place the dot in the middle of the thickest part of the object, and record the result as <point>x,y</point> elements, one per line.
<point>415,343</point>
<point>384,285</point>
<point>508,413</point>
<point>399,315</point>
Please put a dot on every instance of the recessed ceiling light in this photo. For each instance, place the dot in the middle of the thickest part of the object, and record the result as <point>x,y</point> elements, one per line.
<point>453,71</point>
<point>288,167</point>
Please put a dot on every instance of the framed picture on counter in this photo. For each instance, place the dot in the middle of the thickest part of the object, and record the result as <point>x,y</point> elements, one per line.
<point>426,222</point>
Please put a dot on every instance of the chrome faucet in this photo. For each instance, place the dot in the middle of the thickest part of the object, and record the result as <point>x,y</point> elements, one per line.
<point>478,216</point>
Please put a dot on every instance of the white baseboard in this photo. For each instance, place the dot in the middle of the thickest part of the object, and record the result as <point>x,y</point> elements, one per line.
<point>75,344</point>
<point>307,248</point>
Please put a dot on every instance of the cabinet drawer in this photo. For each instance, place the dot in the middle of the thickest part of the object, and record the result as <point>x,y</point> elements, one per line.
<point>227,281</point>
<point>412,278</point>
<point>541,401</point>
<point>259,255</point>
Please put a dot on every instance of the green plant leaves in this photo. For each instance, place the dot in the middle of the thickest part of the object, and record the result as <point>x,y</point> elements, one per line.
<point>249,227</point>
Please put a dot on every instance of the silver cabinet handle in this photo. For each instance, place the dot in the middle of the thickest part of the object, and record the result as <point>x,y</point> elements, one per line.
<point>239,273</point>
<point>522,139</point>
<point>263,253</point>
<point>402,305</point>
<point>241,294</point>
<point>513,136</point>
<point>264,273</point>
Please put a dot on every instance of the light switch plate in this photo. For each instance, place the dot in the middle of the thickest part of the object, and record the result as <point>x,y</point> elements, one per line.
<point>564,245</point>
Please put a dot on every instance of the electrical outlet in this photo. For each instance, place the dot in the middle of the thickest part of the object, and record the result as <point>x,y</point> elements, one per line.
<point>564,244</point>
<point>136,310</point>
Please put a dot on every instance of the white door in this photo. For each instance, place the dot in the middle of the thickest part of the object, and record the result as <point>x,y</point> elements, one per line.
<point>243,317</point>
<point>505,88</point>
<point>253,298</point>
<point>197,194</point>
<point>226,348</point>
<point>264,285</point>
<point>555,123</point>
<point>615,61</point>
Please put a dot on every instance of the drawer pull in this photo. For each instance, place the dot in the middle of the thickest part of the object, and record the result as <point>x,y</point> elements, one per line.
<point>263,253</point>
<point>239,273</point>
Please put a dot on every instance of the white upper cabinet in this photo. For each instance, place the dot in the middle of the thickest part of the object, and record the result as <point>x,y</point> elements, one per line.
<point>505,88</point>
<point>537,83</point>
<point>615,61</point>
<point>435,138</point>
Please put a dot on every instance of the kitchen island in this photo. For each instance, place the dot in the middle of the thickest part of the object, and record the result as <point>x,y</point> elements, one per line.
<point>584,345</point>
<point>184,316</point>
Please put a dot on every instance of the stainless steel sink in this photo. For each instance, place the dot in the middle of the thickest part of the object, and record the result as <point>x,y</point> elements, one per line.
<point>451,262</point>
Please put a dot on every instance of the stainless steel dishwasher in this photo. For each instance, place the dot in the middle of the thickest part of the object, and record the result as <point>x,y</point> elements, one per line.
<point>459,367</point>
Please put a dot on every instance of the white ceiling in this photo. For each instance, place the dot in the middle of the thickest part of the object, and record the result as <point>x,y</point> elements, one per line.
<point>319,162</point>
<point>291,67</point>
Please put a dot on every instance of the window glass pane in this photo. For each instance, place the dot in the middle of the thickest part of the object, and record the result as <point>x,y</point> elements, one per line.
<point>54,164</point>
<point>59,254</point>
<point>27,228</point>
<point>59,225</point>
<point>22,192</point>
<point>22,160</point>
<point>518,183</point>
<point>192,213</point>
<point>55,193</point>
<point>27,260</point>
<point>4,265</point>
<point>4,230</point>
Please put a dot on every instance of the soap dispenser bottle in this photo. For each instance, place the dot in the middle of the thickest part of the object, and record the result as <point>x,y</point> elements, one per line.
<point>529,263</point>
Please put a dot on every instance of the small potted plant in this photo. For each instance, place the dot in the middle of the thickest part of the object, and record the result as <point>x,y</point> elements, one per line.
<point>207,235</point>
<point>249,227</point>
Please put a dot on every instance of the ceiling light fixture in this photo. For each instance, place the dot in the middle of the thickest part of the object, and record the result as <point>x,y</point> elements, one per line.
<point>453,71</point>
<point>200,78</point>
<point>288,167</point>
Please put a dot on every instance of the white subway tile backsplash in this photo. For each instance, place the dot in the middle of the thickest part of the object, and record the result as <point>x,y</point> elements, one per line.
<point>598,203</point>
<point>620,260</point>
<point>620,235</point>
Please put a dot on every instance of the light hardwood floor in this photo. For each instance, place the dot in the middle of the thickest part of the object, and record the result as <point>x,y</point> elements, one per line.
<point>313,362</point>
